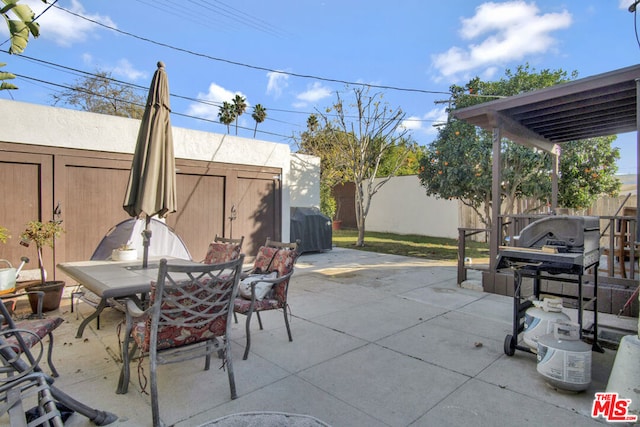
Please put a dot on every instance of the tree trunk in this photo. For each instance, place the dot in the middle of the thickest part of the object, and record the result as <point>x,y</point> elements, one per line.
<point>43,273</point>
<point>360,214</point>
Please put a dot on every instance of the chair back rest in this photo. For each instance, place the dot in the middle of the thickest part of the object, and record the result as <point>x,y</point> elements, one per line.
<point>191,303</point>
<point>280,257</point>
<point>16,357</point>
<point>6,321</point>
<point>223,249</point>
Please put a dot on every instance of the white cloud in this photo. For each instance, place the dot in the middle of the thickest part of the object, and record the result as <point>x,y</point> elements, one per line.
<point>314,93</point>
<point>65,29</point>
<point>277,83</point>
<point>425,123</point>
<point>499,33</point>
<point>624,4</point>
<point>213,100</point>
<point>125,69</point>
<point>412,123</point>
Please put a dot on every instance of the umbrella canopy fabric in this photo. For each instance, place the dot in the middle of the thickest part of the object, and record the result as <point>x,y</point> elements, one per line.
<point>152,181</point>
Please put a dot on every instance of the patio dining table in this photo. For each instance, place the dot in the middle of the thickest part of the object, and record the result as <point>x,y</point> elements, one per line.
<point>114,280</point>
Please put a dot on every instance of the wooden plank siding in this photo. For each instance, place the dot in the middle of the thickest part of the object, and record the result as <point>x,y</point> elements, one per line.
<point>90,188</point>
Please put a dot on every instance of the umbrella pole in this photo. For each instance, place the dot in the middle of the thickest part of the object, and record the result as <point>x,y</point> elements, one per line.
<point>146,238</point>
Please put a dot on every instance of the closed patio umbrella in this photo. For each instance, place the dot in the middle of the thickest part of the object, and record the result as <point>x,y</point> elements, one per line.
<point>152,180</point>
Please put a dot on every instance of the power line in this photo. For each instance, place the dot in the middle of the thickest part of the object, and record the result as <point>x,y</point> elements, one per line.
<point>79,72</point>
<point>34,19</point>
<point>87,74</point>
<point>239,17</point>
<point>255,67</point>
<point>112,98</point>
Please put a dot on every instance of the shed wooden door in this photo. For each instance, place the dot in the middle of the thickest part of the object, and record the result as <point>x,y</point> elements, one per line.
<point>89,188</point>
<point>91,193</point>
<point>23,177</point>
<point>257,201</point>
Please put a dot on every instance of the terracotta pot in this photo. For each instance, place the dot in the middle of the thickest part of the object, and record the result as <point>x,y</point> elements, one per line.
<point>336,225</point>
<point>52,295</point>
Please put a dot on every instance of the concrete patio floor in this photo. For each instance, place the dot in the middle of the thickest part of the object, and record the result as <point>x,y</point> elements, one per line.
<point>378,340</point>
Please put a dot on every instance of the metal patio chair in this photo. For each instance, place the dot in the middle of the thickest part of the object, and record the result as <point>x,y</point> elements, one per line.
<point>273,257</point>
<point>223,249</point>
<point>40,327</point>
<point>189,318</point>
<point>28,384</point>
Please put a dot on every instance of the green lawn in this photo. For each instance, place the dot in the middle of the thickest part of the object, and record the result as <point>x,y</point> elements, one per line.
<point>411,245</point>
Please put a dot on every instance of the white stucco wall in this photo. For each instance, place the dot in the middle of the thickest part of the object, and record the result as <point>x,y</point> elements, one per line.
<point>305,180</point>
<point>402,206</point>
<point>26,123</point>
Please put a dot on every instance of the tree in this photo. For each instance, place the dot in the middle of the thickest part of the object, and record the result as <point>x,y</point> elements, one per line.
<point>239,107</point>
<point>21,24</point>
<point>99,93</point>
<point>587,169</point>
<point>4,75</point>
<point>259,115</point>
<point>317,141</point>
<point>409,166</point>
<point>458,163</point>
<point>362,133</point>
<point>227,114</point>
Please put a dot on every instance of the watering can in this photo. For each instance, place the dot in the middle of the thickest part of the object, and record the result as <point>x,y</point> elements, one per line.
<point>8,276</point>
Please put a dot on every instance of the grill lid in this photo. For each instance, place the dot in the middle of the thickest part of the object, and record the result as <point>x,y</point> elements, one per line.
<point>567,231</point>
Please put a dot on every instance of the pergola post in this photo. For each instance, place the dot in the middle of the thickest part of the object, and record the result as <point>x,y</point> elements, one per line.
<point>555,160</point>
<point>496,231</point>
<point>637,160</point>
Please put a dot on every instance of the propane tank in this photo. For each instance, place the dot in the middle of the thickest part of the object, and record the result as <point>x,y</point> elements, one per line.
<point>539,320</point>
<point>563,359</point>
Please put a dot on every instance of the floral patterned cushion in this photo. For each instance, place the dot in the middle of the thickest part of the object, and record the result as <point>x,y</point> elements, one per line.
<point>174,335</point>
<point>242,305</point>
<point>221,252</point>
<point>263,261</point>
<point>281,261</point>
<point>40,327</point>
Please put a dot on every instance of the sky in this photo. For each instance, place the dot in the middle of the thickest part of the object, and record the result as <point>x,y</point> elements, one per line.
<point>295,56</point>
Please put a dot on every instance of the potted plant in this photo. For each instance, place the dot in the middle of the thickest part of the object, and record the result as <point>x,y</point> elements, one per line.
<point>125,252</point>
<point>4,234</point>
<point>43,234</point>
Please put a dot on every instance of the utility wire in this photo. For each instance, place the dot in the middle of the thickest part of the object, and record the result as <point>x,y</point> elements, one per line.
<point>34,19</point>
<point>78,72</point>
<point>124,101</point>
<point>255,67</point>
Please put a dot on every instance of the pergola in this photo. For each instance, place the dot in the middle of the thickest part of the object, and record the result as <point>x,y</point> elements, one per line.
<point>600,105</point>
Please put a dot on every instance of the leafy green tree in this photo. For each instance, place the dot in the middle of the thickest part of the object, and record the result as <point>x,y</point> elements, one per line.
<point>259,115</point>
<point>317,141</point>
<point>20,22</point>
<point>362,133</point>
<point>239,107</point>
<point>409,166</point>
<point>100,93</point>
<point>4,75</point>
<point>458,164</point>
<point>320,141</point>
<point>587,170</point>
<point>227,114</point>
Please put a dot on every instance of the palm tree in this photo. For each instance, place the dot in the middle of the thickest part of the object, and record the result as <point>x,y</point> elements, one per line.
<point>226,114</point>
<point>312,123</point>
<point>239,105</point>
<point>259,114</point>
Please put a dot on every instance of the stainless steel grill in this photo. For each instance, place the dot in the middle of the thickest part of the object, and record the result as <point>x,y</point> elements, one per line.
<point>555,244</point>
